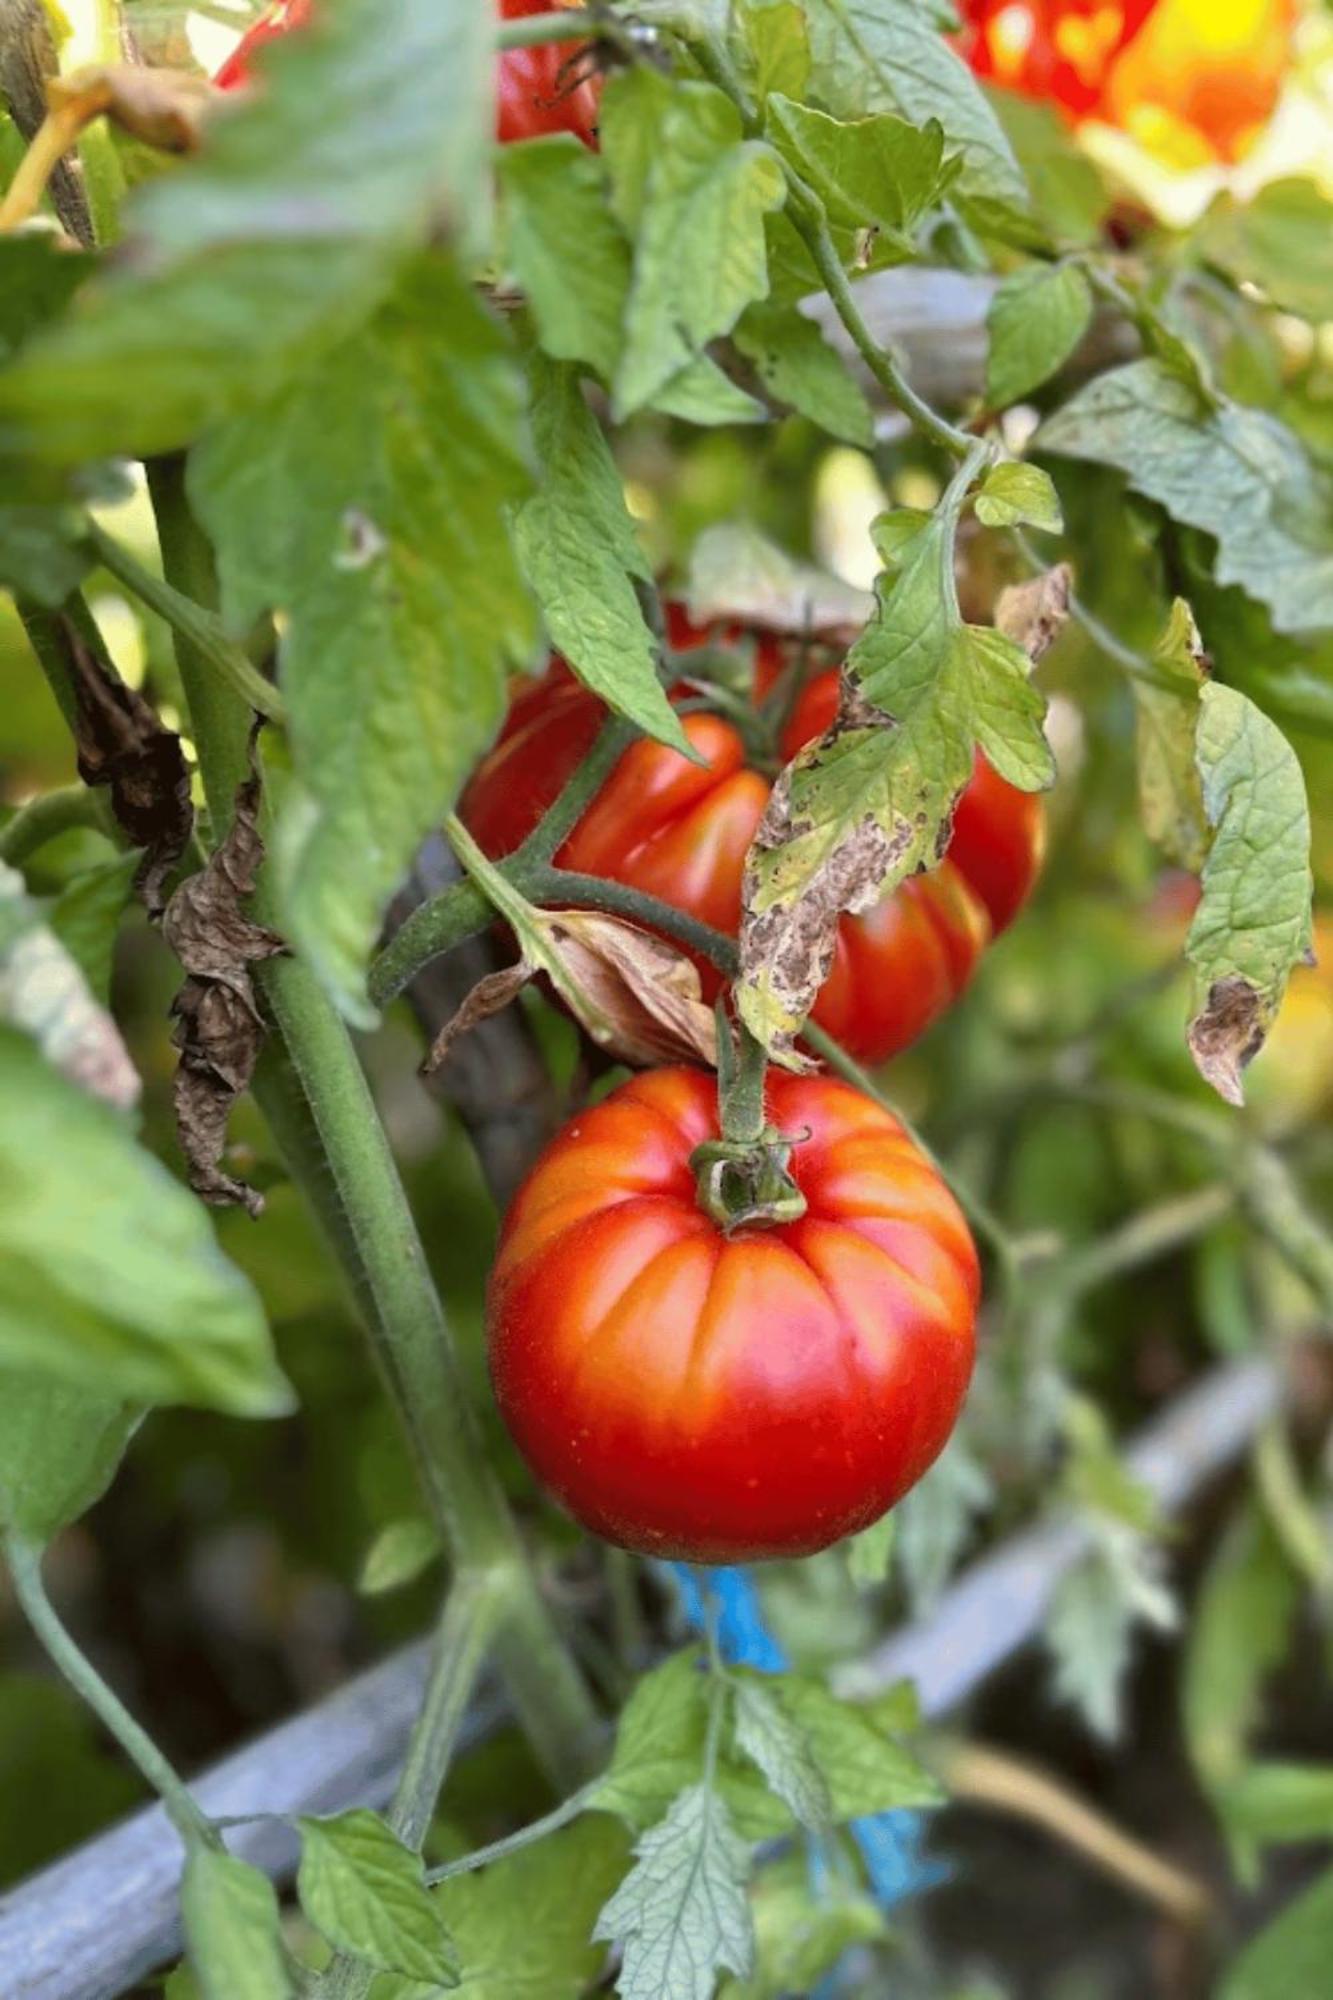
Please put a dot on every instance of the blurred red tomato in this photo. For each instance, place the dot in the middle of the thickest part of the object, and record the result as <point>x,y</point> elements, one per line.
<point>533,97</point>
<point>1192,80</point>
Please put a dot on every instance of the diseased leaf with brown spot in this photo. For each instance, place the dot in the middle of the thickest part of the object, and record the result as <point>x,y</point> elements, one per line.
<point>872,801</point>
<point>1253,923</point>
<point>43,992</point>
<point>219,1029</point>
<point>1170,793</point>
<point>1034,614</point>
<point>122,744</point>
<point>638,997</point>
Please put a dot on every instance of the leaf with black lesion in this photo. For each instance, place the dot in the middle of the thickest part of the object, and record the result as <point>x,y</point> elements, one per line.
<point>219,1027</point>
<point>123,744</point>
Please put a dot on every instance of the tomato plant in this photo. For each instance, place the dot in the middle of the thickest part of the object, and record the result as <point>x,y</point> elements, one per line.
<point>571,582</point>
<point>681,831</point>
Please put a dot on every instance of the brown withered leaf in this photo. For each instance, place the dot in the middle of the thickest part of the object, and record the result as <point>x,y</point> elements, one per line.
<point>219,1029</point>
<point>1034,614</point>
<point>1228,1034</point>
<point>165,108</point>
<point>638,997</point>
<point>122,744</point>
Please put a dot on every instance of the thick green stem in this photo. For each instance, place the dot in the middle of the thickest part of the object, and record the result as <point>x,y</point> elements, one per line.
<point>314,1092</point>
<point>46,636</point>
<point>25,1563</point>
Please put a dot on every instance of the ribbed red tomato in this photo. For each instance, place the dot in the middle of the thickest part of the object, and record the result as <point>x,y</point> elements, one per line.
<point>680,831</point>
<point>724,1398</point>
<point>532,97</point>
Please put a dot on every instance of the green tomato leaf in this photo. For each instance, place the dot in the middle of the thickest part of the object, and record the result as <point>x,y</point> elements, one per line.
<point>779,1748</point>
<point>1038,316</point>
<point>877,171</point>
<point>368,505</point>
<point>523,1926</point>
<point>1237,473</point>
<point>578,550</point>
<point>1091,1623</point>
<point>802,1930</point>
<point>108,1266</point>
<point>1012,494</point>
<point>86,917</point>
<point>700,256</point>
<point>1254,922</point>
<point>737,573</point>
<point>1069,197</point>
<point>1271,1803</point>
<point>1278,241</point>
<point>799,368</point>
<point>680,1917</point>
<point>365,1891</point>
<point>1170,792</point>
<point>659,1741</point>
<point>41,520</point>
<point>233,1931</point>
<point>59,1450</point>
<point>891,55</point>
<point>1291,1955</point>
<point>870,1554</point>
<point>701,394</point>
<point>864,1769</point>
<point>1241,1630</point>
<point>775,48</point>
<point>398,1555</point>
<point>872,801</point>
<point>937,1521</point>
<point>371,125</point>
<point>555,198</point>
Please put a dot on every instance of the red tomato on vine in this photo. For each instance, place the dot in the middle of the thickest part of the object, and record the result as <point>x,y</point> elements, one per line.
<point>726,1398</point>
<point>680,831</point>
<point>534,92</point>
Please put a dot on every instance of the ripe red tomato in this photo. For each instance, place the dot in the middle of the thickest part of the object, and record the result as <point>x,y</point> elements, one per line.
<point>680,831</point>
<point>532,97</point>
<point>725,1399</point>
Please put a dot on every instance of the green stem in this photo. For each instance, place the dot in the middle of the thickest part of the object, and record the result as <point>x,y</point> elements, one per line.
<point>1142,1240</point>
<point>198,628</point>
<point>806,212</point>
<point>325,1122</point>
<point>472,1613</point>
<point>527,1836</point>
<point>47,637</point>
<point>47,817</point>
<point>557,887</point>
<point>25,1563</point>
<point>583,785</point>
<point>741,1104</point>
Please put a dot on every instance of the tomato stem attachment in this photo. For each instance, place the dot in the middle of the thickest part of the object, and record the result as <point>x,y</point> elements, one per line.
<point>743,1179</point>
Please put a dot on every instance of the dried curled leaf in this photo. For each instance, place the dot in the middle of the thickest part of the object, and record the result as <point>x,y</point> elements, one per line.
<point>122,744</point>
<point>219,1029</point>
<point>43,992</point>
<point>1034,614</point>
<point>166,108</point>
<point>638,997</point>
